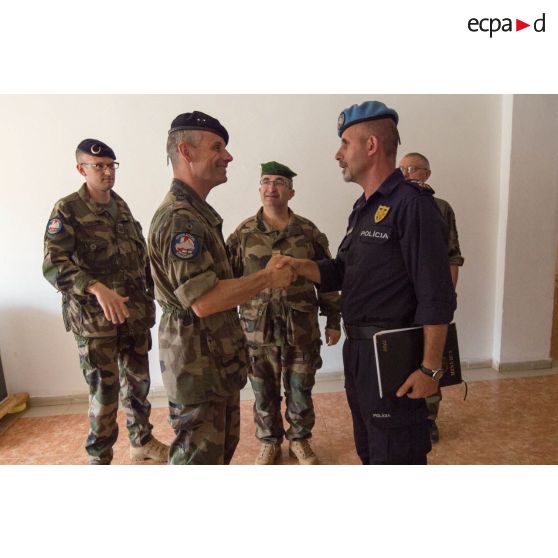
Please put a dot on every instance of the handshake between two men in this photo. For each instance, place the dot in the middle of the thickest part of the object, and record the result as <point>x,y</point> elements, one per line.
<point>286,268</point>
<point>418,385</point>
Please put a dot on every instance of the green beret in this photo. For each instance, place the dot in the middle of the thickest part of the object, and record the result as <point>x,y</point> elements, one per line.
<point>277,169</point>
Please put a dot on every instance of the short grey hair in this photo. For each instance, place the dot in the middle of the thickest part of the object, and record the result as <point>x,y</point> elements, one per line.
<point>386,132</point>
<point>192,137</point>
<point>424,160</point>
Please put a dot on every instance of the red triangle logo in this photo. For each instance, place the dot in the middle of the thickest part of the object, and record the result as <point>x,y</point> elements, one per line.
<point>519,25</point>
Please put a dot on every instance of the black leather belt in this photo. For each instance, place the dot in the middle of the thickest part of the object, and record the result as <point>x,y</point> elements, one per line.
<point>361,332</point>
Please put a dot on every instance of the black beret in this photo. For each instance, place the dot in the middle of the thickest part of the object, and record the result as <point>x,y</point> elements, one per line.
<point>199,121</point>
<point>96,148</point>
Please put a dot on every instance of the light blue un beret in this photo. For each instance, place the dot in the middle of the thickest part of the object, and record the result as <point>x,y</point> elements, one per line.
<point>369,110</point>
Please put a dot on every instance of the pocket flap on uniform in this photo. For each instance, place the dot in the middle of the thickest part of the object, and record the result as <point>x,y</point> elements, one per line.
<point>185,224</point>
<point>95,245</point>
<point>302,306</point>
<point>251,310</point>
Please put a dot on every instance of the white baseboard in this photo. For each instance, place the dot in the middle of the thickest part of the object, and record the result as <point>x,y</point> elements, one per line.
<point>321,378</point>
<point>475,364</point>
<point>523,365</point>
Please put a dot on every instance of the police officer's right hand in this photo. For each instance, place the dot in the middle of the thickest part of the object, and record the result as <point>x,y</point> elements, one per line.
<point>113,305</point>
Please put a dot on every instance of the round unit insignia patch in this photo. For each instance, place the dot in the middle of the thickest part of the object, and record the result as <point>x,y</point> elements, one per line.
<point>185,246</point>
<point>341,120</point>
<point>95,149</point>
<point>54,226</point>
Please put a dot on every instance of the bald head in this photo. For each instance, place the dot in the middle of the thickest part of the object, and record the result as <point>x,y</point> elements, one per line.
<point>415,166</point>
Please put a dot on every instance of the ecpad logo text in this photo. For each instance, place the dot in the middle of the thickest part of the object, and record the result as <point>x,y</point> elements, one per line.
<point>493,25</point>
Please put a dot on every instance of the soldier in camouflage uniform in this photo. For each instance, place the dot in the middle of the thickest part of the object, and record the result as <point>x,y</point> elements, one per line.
<point>416,167</point>
<point>202,348</point>
<point>281,325</point>
<point>95,254</point>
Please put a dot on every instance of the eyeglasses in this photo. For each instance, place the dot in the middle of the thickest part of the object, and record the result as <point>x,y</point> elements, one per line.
<point>102,166</point>
<point>411,169</point>
<point>276,182</point>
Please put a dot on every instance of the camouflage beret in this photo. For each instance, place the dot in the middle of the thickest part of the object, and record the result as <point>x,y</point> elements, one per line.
<point>96,148</point>
<point>199,121</point>
<point>369,110</point>
<point>277,169</point>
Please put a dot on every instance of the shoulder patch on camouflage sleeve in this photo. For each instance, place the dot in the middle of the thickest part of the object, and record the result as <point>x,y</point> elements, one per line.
<point>185,246</point>
<point>54,226</point>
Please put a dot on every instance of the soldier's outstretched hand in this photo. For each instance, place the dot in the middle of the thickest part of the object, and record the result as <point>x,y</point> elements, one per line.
<point>306,268</point>
<point>279,262</point>
<point>282,278</point>
<point>113,305</point>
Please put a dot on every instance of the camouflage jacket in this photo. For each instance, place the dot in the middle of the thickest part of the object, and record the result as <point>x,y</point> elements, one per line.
<point>83,244</point>
<point>201,358</point>
<point>454,252</point>
<point>282,316</point>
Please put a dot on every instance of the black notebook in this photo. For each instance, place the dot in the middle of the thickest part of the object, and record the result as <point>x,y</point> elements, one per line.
<point>399,353</point>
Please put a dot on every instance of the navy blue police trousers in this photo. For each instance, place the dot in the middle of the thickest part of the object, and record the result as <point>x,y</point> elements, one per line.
<point>388,430</point>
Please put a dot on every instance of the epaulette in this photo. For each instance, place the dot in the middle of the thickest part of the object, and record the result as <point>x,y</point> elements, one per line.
<point>70,198</point>
<point>305,221</point>
<point>248,224</point>
<point>422,187</point>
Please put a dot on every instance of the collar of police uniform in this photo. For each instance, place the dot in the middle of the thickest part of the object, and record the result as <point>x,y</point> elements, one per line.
<point>386,188</point>
<point>391,182</point>
<point>182,191</point>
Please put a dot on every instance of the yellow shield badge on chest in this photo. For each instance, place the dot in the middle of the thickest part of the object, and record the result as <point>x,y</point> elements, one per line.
<point>381,213</point>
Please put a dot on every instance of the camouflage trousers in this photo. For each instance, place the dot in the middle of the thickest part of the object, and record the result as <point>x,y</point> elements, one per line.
<point>113,365</point>
<point>206,433</point>
<point>297,367</point>
<point>433,405</point>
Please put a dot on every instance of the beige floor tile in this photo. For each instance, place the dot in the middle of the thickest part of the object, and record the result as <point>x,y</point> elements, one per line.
<point>503,421</point>
<point>77,409</point>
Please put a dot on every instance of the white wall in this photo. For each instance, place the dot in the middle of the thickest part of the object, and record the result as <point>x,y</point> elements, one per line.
<point>500,259</point>
<point>530,252</point>
<point>459,133</point>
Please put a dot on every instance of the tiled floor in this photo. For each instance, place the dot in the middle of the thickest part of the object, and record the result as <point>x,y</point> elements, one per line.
<point>503,421</point>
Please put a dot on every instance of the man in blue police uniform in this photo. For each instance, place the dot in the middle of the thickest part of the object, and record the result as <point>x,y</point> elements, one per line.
<point>392,268</point>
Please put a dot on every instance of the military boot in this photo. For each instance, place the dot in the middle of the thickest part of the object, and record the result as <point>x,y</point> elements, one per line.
<point>152,450</point>
<point>303,452</point>
<point>95,461</point>
<point>269,454</point>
